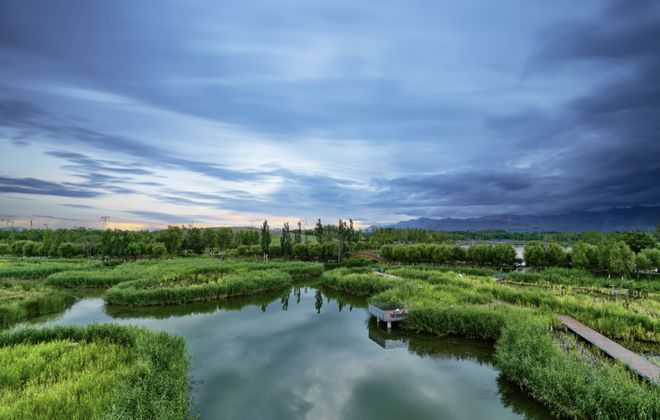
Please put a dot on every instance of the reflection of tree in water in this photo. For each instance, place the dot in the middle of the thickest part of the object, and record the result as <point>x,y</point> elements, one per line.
<point>285,301</point>
<point>260,301</point>
<point>168,311</point>
<point>319,301</point>
<point>345,299</point>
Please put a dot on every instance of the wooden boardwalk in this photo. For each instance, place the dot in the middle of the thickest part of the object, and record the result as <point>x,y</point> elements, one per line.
<point>643,367</point>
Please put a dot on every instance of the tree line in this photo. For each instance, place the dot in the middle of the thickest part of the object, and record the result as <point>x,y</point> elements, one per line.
<point>323,242</point>
<point>608,256</point>
<point>485,255</point>
<point>615,252</point>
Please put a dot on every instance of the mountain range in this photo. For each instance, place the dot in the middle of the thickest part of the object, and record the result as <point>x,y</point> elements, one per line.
<point>631,218</point>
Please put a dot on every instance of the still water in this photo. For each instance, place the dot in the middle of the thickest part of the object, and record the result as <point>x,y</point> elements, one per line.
<point>308,353</point>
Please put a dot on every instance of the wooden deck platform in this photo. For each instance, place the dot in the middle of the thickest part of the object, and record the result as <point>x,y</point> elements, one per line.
<point>388,315</point>
<point>638,364</point>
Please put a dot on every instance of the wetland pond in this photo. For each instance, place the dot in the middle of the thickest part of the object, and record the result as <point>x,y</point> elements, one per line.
<point>310,353</point>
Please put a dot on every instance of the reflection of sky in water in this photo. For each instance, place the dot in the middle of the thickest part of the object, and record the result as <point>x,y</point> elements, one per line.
<point>278,364</point>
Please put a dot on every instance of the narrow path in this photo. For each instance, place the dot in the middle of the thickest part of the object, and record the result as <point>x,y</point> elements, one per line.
<point>389,276</point>
<point>635,362</point>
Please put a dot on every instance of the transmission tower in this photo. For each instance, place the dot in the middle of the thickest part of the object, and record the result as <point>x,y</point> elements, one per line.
<point>104,222</point>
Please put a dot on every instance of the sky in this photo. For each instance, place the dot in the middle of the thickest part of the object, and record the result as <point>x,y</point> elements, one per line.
<point>219,113</point>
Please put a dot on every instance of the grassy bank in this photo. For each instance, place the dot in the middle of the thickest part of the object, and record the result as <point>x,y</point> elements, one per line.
<point>185,289</point>
<point>36,268</point>
<point>19,302</point>
<point>154,270</point>
<point>101,371</point>
<point>624,319</point>
<point>580,278</point>
<point>219,280</point>
<point>520,322</point>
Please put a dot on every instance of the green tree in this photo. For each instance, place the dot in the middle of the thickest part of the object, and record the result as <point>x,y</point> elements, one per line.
<point>30,249</point>
<point>158,249</point>
<point>534,254</point>
<point>285,241</point>
<point>458,254</point>
<point>265,239</point>
<point>224,238</point>
<point>342,235</point>
<point>5,249</point>
<point>351,234</point>
<point>555,256</point>
<point>17,248</point>
<point>297,234</point>
<point>192,240</point>
<point>652,255</point>
<point>616,257</point>
<point>318,231</point>
<point>442,254</point>
<point>584,255</point>
<point>210,239</point>
<point>504,256</point>
<point>301,252</point>
<point>638,240</point>
<point>172,237</point>
<point>67,249</point>
<point>642,262</point>
<point>134,249</point>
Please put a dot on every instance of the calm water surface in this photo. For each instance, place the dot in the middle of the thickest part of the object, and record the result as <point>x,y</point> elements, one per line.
<point>305,353</point>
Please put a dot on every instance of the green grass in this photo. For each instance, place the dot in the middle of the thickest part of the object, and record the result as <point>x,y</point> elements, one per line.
<point>155,270</point>
<point>581,278</point>
<point>567,383</point>
<point>520,321</point>
<point>19,302</point>
<point>36,268</point>
<point>101,371</point>
<point>624,319</point>
<point>205,280</point>
<point>184,289</point>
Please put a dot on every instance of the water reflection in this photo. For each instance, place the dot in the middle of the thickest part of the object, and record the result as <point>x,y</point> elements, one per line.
<point>268,357</point>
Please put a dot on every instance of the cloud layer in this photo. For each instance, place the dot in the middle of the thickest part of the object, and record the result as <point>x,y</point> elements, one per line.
<point>228,113</point>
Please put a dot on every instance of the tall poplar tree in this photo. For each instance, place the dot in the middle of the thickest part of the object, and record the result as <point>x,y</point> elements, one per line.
<point>265,239</point>
<point>285,241</point>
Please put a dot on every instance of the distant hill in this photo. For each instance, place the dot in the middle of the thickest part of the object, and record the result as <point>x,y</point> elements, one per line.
<point>637,217</point>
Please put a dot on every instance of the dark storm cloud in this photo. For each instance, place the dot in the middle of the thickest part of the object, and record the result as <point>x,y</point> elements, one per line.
<point>35,186</point>
<point>281,73</point>
<point>604,145</point>
<point>477,112</point>
<point>449,194</point>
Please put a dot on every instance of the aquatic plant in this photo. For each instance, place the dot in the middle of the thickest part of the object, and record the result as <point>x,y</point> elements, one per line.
<point>101,371</point>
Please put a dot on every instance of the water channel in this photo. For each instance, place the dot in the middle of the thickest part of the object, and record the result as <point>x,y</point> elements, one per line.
<point>310,353</point>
